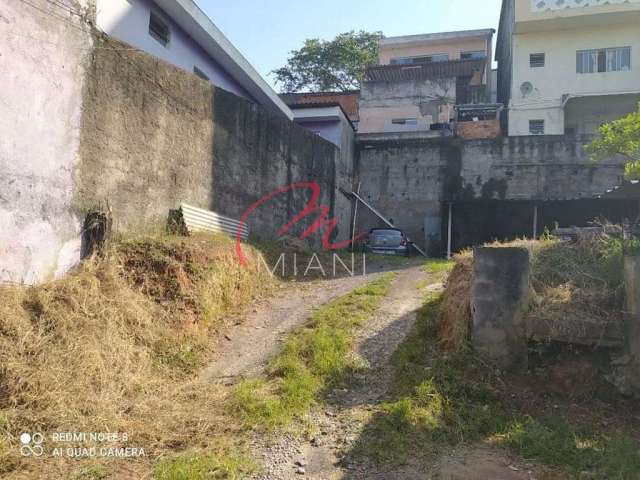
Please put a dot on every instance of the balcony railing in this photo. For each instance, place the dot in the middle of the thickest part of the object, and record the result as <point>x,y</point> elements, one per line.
<point>475,94</point>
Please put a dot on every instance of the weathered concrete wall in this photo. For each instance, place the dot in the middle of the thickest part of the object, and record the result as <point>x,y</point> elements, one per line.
<point>110,125</point>
<point>255,153</point>
<point>533,168</point>
<point>411,180</point>
<point>625,374</point>
<point>404,181</point>
<point>345,172</point>
<point>147,137</point>
<point>498,301</point>
<point>154,135</point>
<point>632,290</point>
<point>43,66</point>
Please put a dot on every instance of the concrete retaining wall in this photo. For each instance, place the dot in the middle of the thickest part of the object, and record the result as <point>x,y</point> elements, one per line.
<point>412,179</point>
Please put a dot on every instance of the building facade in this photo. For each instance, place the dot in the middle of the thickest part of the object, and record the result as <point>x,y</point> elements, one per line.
<point>178,32</point>
<point>567,67</point>
<point>421,78</point>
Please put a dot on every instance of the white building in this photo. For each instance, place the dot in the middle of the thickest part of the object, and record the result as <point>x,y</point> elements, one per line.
<point>178,32</point>
<point>567,66</point>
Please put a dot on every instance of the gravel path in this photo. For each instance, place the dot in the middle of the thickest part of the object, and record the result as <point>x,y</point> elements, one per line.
<point>339,424</point>
<point>246,348</point>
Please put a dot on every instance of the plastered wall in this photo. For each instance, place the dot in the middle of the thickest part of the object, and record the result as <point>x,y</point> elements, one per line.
<point>44,56</point>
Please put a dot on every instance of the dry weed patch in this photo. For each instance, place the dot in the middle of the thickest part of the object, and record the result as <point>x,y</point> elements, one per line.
<point>112,347</point>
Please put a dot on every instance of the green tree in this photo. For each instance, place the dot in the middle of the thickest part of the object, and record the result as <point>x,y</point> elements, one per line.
<point>334,65</point>
<point>620,137</point>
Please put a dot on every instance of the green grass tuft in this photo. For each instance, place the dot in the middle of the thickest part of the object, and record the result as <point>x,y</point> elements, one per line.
<point>204,466</point>
<point>94,472</point>
<point>438,265</point>
<point>556,443</point>
<point>314,358</point>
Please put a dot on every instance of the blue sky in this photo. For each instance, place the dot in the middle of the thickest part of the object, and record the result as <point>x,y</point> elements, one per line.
<point>266,30</point>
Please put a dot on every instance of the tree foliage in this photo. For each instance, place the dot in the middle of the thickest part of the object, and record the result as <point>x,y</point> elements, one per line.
<point>333,65</point>
<point>620,137</point>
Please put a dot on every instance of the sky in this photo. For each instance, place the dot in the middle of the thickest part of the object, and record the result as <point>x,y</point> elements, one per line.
<point>265,31</point>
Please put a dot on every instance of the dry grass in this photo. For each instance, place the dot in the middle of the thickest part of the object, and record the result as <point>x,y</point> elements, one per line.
<point>455,310</point>
<point>113,346</point>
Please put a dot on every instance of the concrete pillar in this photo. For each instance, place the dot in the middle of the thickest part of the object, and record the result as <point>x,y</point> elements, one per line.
<point>632,290</point>
<point>449,231</point>
<point>499,300</point>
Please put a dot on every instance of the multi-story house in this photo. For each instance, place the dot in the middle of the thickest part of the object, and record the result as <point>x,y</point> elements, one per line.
<point>178,32</point>
<point>421,79</point>
<point>567,66</point>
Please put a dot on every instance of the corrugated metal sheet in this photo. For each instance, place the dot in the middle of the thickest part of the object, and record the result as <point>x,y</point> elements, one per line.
<point>200,220</point>
<point>450,69</point>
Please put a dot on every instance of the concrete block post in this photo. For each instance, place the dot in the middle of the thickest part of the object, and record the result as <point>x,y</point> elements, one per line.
<point>632,290</point>
<point>499,299</point>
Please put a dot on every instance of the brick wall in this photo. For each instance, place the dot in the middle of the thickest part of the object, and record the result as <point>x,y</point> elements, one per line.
<point>478,130</point>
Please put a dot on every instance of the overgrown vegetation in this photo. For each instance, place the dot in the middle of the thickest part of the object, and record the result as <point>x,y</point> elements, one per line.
<point>619,137</point>
<point>113,346</point>
<point>576,291</point>
<point>441,400</point>
<point>314,358</point>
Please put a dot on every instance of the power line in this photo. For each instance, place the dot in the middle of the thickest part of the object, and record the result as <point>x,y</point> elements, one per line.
<point>91,48</point>
<point>53,15</point>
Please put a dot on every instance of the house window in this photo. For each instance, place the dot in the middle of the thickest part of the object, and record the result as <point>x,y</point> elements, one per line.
<point>536,127</point>
<point>159,29</point>
<point>473,55</point>
<point>604,60</point>
<point>200,73</point>
<point>440,57</point>
<point>404,121</point>
<point>536,60</point>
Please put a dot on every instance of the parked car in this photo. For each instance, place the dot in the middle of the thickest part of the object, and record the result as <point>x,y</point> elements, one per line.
<point>387,241</point>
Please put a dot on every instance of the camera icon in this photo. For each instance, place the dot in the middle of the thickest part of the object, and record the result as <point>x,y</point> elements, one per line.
<point>31,444</point>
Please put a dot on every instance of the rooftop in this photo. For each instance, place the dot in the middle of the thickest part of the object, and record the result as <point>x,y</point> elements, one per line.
<point>348,101</point>
<point>434,37</point>
<point>200,27</point>
<point>452,68</point>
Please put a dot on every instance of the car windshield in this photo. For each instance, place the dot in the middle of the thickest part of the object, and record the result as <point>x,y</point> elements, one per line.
<point>389,237</point>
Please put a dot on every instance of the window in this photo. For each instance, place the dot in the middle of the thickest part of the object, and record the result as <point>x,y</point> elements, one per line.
<point>536,60</point>
<point>473,55</point>
<point>536,127</point>
<point>159,29</point>
<point>405,121</point>
<point>604,60</point>
<point>200,73</point>
<point>440,57</point>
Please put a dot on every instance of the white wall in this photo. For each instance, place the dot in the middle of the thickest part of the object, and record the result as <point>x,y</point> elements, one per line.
<point>128,20</point>
<point>42,55</point>
<point>559,77</point>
